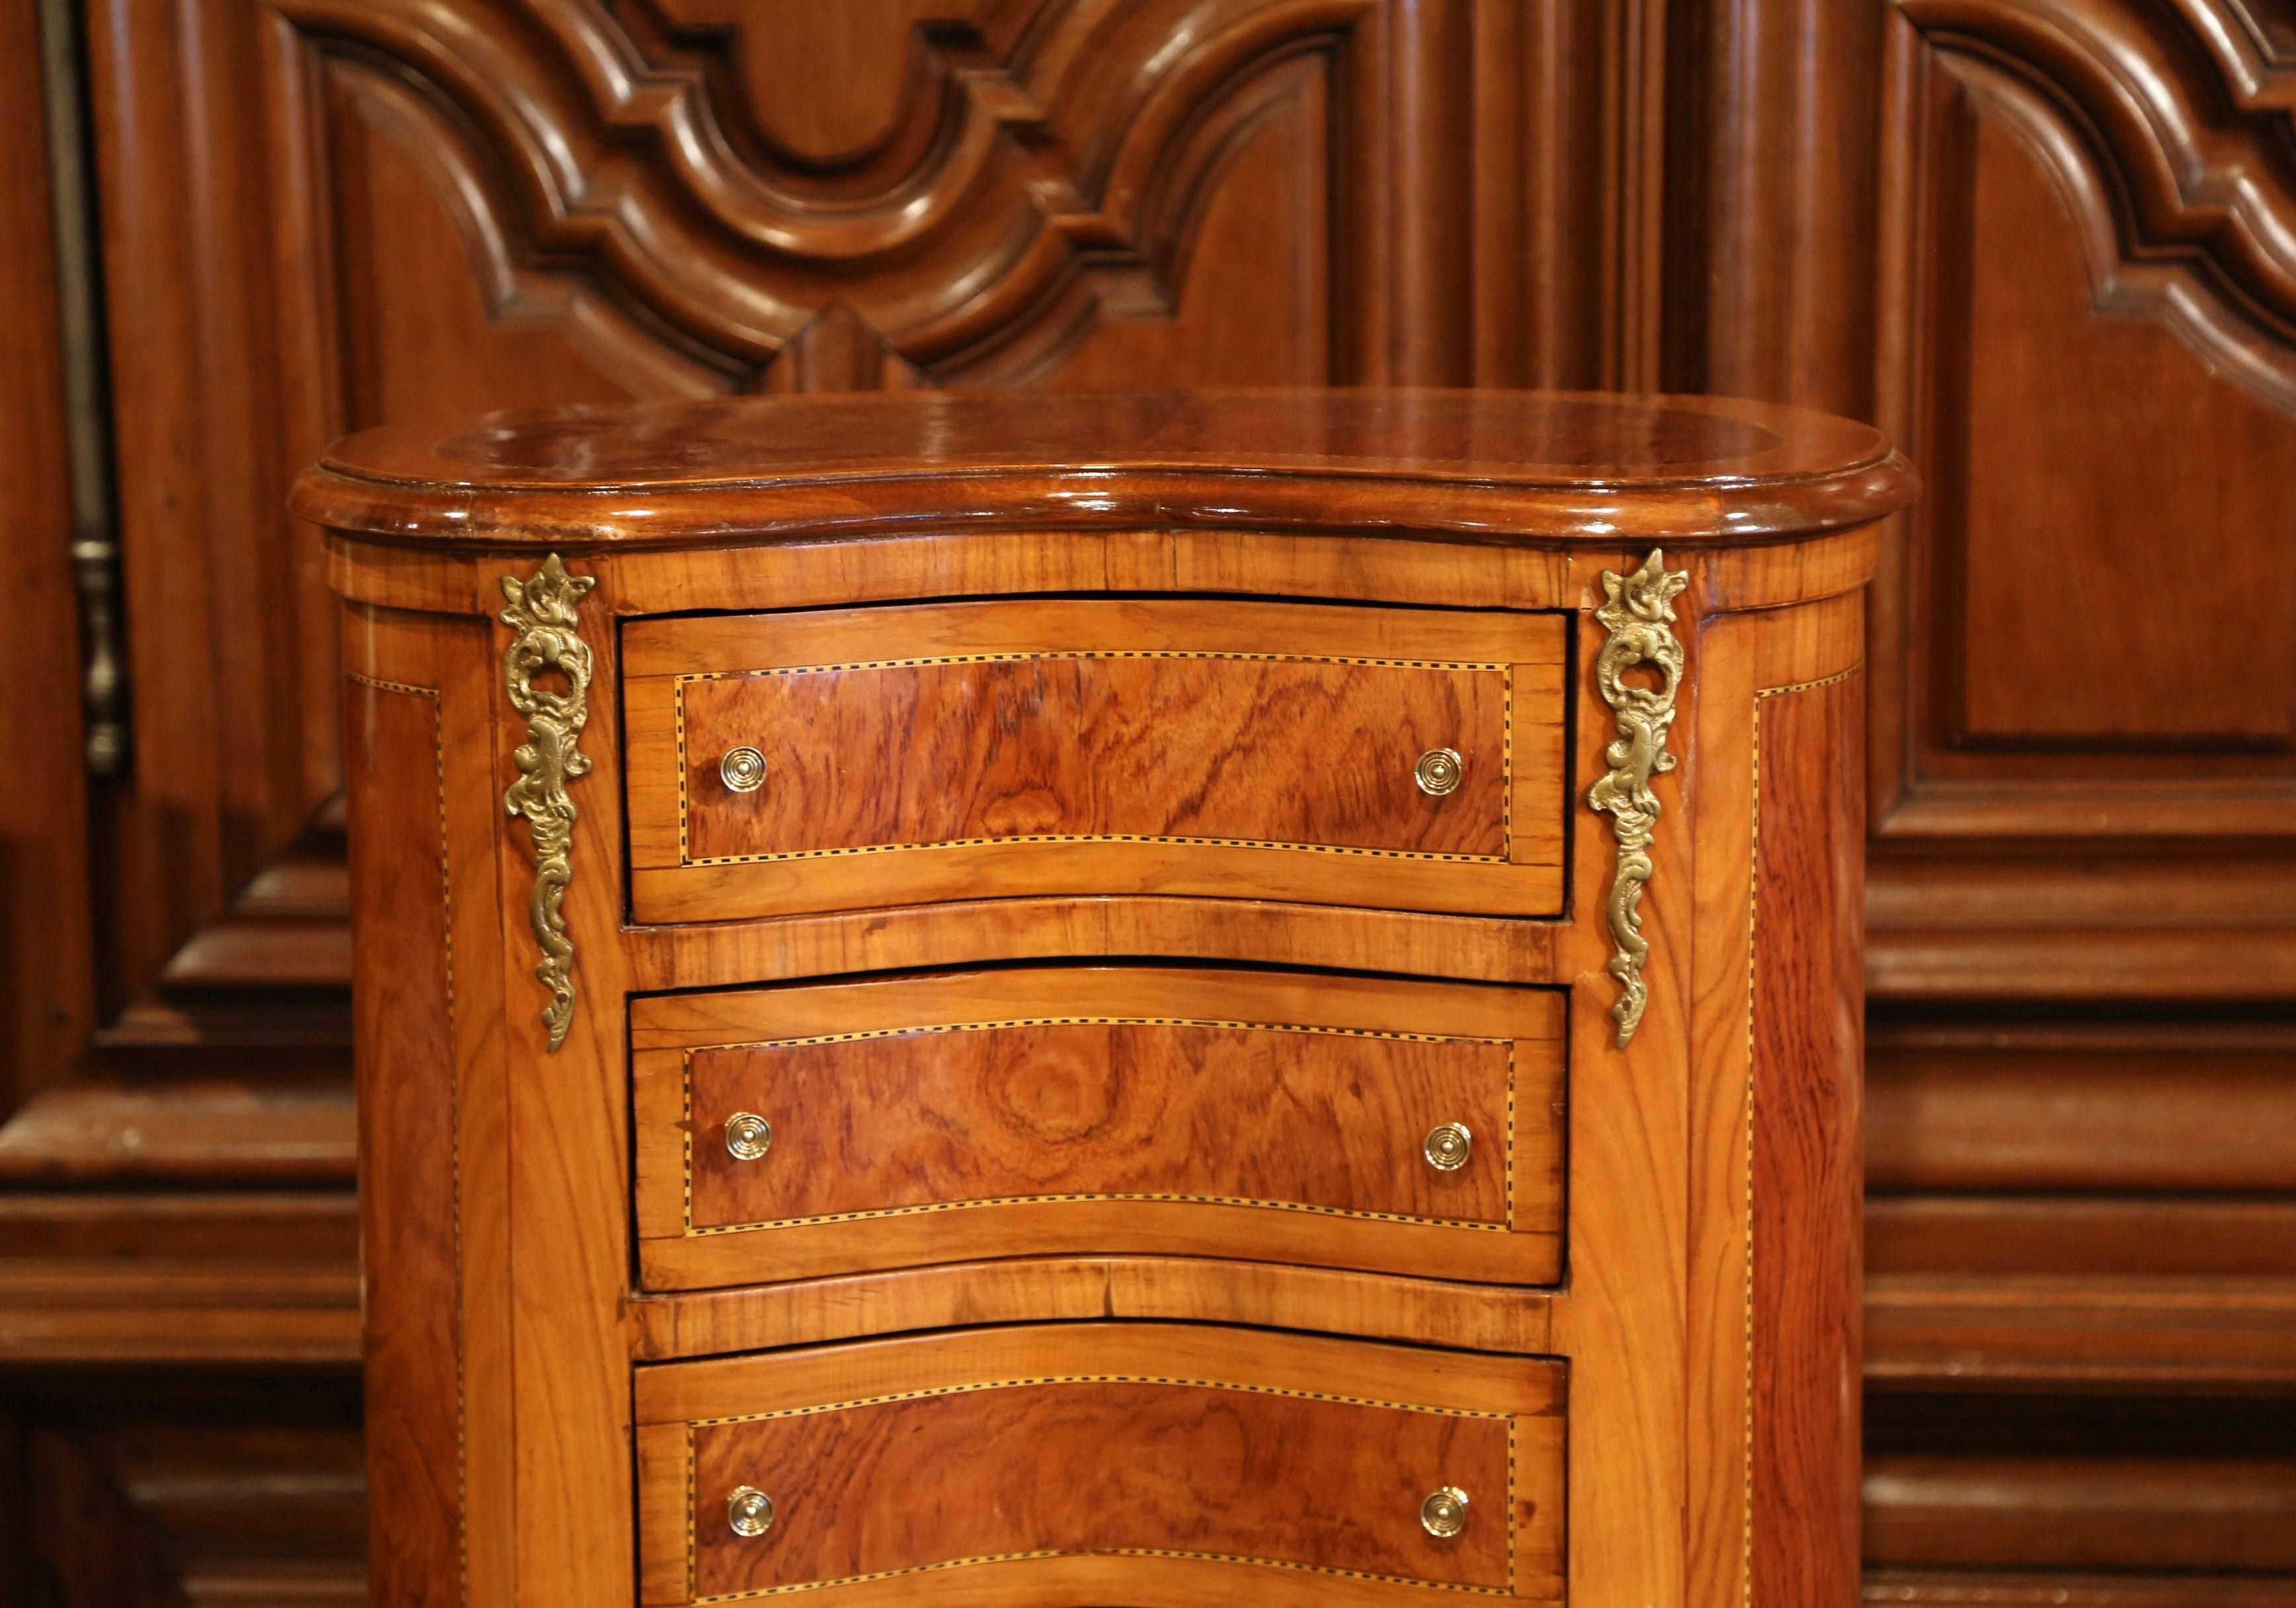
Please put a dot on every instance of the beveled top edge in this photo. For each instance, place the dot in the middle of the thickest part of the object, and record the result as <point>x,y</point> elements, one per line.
<point>1502,466</point>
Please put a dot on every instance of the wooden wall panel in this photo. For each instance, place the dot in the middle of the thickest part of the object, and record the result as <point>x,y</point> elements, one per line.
<point>2089,340</point>
<point>2083,946</point>
<point>2075,479</point>
<point>1804,1028</point>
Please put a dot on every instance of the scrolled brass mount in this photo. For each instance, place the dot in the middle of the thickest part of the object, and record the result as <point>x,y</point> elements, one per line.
<point>543,614</point>
<point>1638,616</point>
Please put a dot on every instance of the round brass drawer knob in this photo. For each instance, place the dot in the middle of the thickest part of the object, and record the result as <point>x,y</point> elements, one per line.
<point>749,1512</point>
<point>748,1136</point>
<point>742,770</point>
<point>1444,1514</point>
<point>1439,771</point>
<point>1447,1146</point>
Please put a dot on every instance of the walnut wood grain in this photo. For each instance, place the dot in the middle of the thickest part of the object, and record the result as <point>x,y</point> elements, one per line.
<point>321,216</point>
<point>1083,746</point>
<point>1443,570</point>
<point>1104,1442</point>
<point>1068,745</point>
<point>1259,1115</point>
<point>439,1325</point>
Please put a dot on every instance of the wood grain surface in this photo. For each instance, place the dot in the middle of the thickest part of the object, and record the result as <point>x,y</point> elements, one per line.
<point>1495,463</point>
<point>409,1232</point>
<point>1291,1458</point>
<point>1010,1289</point>
<point>1101,1109</point>
<point>1083,746</point>
<point>1808,1142</point>
<point>1229,748</point>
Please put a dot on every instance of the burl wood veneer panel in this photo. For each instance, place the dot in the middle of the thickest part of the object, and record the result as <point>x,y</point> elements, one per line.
<point>1256,1115</point>
<point>1234,748</point>
<point>1102,1462</point>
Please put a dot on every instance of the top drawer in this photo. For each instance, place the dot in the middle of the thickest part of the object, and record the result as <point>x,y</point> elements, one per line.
<point>1396,758</point>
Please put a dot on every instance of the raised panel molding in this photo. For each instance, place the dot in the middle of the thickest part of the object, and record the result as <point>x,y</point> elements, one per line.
<point>2176,182</point>
<point>1049,152</point>
<point>2186,208</point>
<point>1052,153</point>
<point>2254,44</point>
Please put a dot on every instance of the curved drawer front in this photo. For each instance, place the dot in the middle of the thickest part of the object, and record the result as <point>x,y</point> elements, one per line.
<point>1388,757</point>
<point>1376,1124</point>
<point>1103,1463</point>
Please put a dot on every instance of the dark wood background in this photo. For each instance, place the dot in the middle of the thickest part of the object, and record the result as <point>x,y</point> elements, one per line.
<point>2050,244</point>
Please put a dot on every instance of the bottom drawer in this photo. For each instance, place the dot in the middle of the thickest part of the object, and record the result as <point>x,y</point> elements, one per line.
<point>1118,1465</point>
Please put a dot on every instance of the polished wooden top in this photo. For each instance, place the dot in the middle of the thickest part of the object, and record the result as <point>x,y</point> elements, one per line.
<point>1510,467</point>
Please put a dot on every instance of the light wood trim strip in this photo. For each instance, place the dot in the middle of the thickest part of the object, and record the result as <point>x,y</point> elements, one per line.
<point>1427,1381</point>
<point>715,644</point>
<point>1483,1318</point>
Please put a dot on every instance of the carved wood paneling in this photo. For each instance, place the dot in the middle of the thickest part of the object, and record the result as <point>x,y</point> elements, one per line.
<point>322,215</point>
<point>2082,939</point>
<point>2089,341</point>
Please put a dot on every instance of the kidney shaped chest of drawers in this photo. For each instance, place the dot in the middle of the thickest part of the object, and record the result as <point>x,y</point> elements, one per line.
<point>1121,1002</point>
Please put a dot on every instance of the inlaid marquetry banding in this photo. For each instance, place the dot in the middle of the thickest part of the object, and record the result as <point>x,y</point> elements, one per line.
<point>382,685</point>
<point>1115,1552</point>
<point>1505,672</point>
<point>454,1123</point>
<point>1753,896</point>
<point>693,1549</point>
<point>1028,1380</point>
<point>1164,1197</point>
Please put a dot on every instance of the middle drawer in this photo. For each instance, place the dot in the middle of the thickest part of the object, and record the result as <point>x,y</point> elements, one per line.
<point>1380,1125</point>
